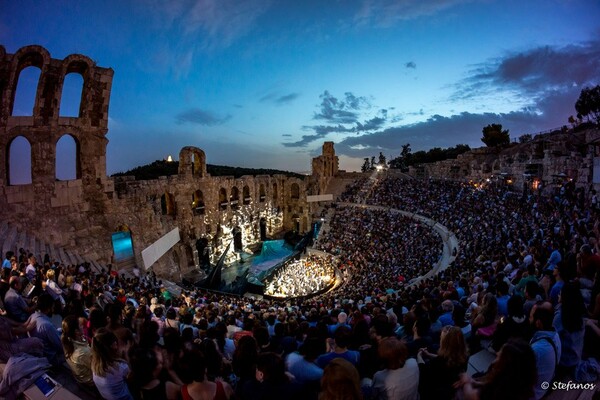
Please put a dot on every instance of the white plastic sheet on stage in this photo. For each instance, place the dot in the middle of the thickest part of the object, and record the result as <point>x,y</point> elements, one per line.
<point>156,250</point>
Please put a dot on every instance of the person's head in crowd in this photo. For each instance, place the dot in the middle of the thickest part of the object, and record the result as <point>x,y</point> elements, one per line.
<point>453,347</point>
<point>114,314</point>
<point>270,368</point>
<point>193,366</point>
<point>572,307</point>
<point>71,331</point>
<point>45,304</point>
<point>312,348</point>
<point>146,364</point>
<point>393,352</point>
<point>171,313</point>
<point>422,327</point>
<point>515,306</point>
<point>340,381</point>
<point>148,334</point>
<point>104,351</point>
<point>542,316</point>
<point>342,337</point>
<point>513,374</point>
<point>532,290</point>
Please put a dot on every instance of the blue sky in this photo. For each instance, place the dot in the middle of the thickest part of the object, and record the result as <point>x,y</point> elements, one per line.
<point>263,83</point>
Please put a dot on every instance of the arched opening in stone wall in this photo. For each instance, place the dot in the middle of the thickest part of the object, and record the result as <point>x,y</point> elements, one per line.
<point>261,193</point>
<point>203,250</point>
<point>198,163</point>
<point>263,229</point>
<point>296,223</point>
<point>189,254</point>
<point>167,204</point>
<point>295,191</point>
<point>72,90</point>
<point>26,91</point>
<point>237,239</point>
<point>67,160</point>
<point>275,193</point>
<point>246,195</point>
<point>198,203</point>
<point>234,199</point>
<point>122,244</point>
<point>223,199</point>
<point>18,162</point>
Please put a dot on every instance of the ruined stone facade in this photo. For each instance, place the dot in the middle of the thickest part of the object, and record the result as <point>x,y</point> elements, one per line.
<point>81,214</point>
<point>546,161</point>
<point>325,167</point>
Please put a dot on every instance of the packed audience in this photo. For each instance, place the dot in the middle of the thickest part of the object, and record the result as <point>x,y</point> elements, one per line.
<point>524,284</point>
<point>302,277</point>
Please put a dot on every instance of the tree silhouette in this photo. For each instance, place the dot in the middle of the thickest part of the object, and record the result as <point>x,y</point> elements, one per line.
<point>588,104</point>
<point>494,136</point>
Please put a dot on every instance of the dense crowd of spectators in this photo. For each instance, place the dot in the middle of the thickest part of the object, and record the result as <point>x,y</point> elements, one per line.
<point>524,284</point>
<point>302,277</point>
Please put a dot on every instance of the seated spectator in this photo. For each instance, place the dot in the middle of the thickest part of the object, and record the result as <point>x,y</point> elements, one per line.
<point>271,381</point>
<point>545,344</point>
<point>400,378</point>
<point>438,372</point>
<point>511,376</point>
<point>109,371</point>
<point>569,324</point>
<point>146,366</point>
<point>40,325</point>
<point>11,344</point>
<point>77,351</point>
<point>303,368</point>
<point>342,338</point>
<point>197,385</point>
<point>514,325</point>
<point>340,381</point>
<point>16,306</point>
<point>446,317</point>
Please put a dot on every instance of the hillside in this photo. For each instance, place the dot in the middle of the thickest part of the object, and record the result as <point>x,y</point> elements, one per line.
<point>164,168</point>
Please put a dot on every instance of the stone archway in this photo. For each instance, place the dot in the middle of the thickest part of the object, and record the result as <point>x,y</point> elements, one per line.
<point>237,239</point>
<point>262,225</point>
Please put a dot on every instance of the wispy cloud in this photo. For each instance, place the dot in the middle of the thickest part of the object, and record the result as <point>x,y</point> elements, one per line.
<point>344,111</point>
<point>534,72</point>
<point>279,99</point>
<point>411,64</point>
<point>201,117</point>
<point>386,13</point>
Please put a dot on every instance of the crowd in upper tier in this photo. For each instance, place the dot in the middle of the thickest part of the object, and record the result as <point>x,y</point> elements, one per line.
<point>524,284</point>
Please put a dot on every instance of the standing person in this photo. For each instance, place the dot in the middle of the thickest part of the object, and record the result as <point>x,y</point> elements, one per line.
<point>511,376</point>
<point>108,369</point>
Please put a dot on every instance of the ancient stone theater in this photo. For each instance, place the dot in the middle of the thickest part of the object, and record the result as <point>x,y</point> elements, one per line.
<point>78,220</point>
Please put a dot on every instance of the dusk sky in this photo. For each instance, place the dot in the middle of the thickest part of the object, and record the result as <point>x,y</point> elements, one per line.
<point>262,83</point>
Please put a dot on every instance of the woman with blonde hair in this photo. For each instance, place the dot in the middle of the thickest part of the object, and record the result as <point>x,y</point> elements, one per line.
<point>438,372</point>
<point>77,351</point>
<point>340,381</point>
<point>108,369</point>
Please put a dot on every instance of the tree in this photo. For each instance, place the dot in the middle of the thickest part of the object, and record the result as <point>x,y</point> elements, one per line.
<point>373,162</point>
<point>588,104</point>
<point>494,136</point>
<point>525,138</point>
<point>366,165</point>
<point>382,160</point>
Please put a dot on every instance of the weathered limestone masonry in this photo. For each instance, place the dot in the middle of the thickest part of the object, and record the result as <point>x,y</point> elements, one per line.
<point>325,167</point>
<point>81,214</point>
<point>549,159</point>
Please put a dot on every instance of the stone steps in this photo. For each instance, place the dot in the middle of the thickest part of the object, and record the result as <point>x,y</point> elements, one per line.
<point>13,239</point>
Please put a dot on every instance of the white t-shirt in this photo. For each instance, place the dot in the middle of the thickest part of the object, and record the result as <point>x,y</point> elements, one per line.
<point>398,384</point>
<point>112,386</point>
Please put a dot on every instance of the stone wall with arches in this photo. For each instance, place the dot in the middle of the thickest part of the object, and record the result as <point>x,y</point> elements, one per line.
<point>81,209</point>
